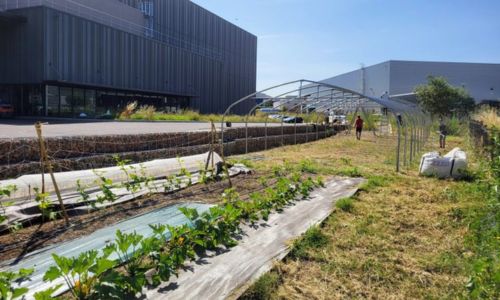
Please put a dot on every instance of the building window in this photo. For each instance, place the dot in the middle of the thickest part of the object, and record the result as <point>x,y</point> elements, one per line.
<point>149,31</point>
<point>66,102</point>
<point>79,102</point>
<point>90,102</point>
<point>52,100</point>
<point>146,8</point>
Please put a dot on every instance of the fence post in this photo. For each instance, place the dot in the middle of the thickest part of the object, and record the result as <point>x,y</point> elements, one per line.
<point>398,147</point>
<point>412,128</point>
<point>45,158</point>
<point>406,138</point>
<point>265,139</point>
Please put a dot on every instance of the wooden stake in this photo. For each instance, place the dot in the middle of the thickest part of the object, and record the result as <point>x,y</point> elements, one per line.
<point>210,151</point>
<point>42,168</point>
<point>226,171</point>
<point>45,159</point>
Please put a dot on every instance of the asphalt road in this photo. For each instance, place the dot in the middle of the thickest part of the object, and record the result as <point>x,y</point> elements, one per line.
<point>24,128</point>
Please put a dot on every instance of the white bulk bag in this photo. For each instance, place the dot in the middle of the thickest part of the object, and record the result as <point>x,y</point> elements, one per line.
<point>459,162</point>
<point>450,165</point>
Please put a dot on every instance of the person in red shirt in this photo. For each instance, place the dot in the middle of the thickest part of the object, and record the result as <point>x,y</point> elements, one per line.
<point>359,127</point>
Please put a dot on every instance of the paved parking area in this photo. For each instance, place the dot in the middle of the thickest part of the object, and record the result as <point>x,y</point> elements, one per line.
<point>23,128</point>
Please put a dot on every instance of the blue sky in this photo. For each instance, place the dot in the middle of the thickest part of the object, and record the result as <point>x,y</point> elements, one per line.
<point>317,39</point>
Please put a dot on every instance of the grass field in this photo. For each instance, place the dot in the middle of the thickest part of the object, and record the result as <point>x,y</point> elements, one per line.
<point>401,237</point>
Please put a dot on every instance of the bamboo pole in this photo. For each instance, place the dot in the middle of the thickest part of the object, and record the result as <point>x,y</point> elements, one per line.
<point>45,159</point>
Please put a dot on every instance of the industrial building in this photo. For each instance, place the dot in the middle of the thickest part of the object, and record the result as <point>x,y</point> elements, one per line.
<point>89,58</point>
<point>396,78</point>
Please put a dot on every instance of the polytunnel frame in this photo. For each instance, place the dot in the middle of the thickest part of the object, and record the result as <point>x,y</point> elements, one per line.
<point>305,100</point>
<point>419,129</point>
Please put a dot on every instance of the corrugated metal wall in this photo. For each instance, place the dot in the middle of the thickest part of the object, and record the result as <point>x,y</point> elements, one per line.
<point>21,49</point>
<point>193,52</point>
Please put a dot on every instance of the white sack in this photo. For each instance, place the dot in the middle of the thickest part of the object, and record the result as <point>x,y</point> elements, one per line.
<point>453,164</point>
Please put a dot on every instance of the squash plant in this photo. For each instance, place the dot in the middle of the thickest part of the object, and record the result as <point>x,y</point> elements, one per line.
<point>132,250</point>
<point>306,187</point>
<point>81,274</point>
<point>7,279</point>
<point>47,294</point>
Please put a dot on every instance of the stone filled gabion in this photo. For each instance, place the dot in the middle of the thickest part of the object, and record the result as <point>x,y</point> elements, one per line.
<point>21,156</point>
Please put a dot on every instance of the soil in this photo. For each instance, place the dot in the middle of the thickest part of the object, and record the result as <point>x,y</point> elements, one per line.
<point>28,239</point>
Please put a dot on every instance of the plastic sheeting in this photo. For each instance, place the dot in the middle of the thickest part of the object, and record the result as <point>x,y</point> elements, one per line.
<point>27,211</point>
<point>41,260</point>
<point>66,181</point>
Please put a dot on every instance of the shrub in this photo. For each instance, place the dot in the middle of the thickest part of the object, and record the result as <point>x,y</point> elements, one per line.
<point>128,110</point>
<point>484,231</point>
<point>489,116</point>
<point>147,112</point>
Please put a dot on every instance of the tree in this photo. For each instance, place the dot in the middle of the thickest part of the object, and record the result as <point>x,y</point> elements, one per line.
<point>440,98</point>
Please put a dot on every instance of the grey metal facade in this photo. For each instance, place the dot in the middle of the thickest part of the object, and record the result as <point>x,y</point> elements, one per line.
<point>396,78</point>
<point>181,50</point>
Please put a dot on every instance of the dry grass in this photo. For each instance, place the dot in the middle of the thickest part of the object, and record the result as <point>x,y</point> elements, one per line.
<point>404,238</point>
<point>489,116</point>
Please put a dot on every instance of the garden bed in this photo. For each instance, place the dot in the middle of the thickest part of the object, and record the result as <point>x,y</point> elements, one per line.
<point>35,237</point>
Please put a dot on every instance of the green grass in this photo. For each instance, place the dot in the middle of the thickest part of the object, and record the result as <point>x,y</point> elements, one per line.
<point>374,182</point>
<point>345,204</point>
<point>349,172</point>
<point>313,238</point>
<point>405,237</point>
<point>309,166</point>
<point>263,288</point>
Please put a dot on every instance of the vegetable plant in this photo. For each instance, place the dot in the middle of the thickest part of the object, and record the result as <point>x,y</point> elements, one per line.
<point>45,205</point>
<point>105,184</point>
<point>5,191</point>
<point>81,274</point>
<point>153,260</point>
<point>7,279</point>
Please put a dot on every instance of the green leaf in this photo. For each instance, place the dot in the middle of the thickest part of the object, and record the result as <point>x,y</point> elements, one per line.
<point>25,272</point>
<point>16,293</point>
<point>110,248</point>
<point>102,265</point>
<point>47,294</point>
<point>52,274</point>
